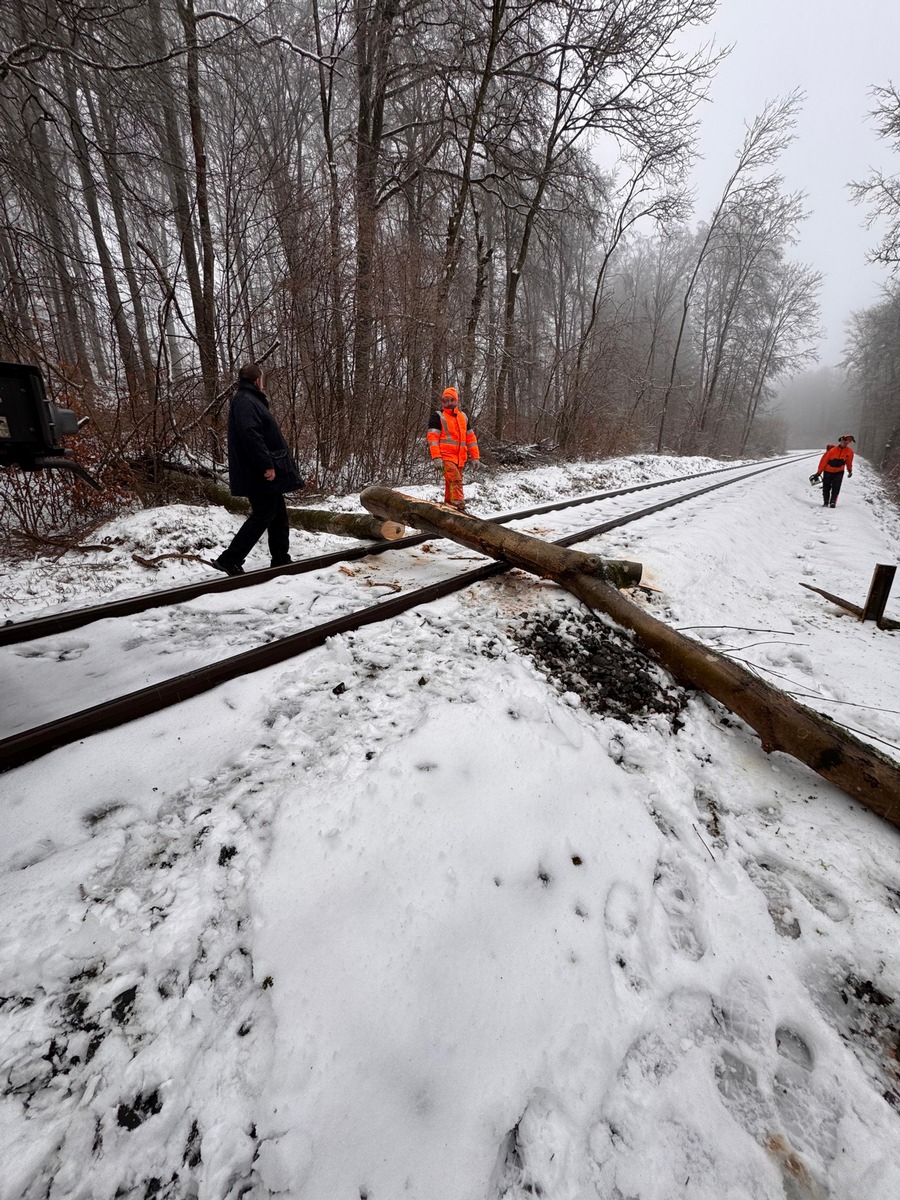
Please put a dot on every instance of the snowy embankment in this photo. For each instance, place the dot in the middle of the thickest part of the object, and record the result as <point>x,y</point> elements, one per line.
<point>406,918</point>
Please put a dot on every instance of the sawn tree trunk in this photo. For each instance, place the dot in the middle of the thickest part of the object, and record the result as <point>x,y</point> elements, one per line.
<point>355,525</point>
<point>530,553</point>
<point>312,520</point>
<point>781,723</point>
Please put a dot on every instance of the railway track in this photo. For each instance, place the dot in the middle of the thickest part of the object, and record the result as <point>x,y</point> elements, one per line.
<point>28,744</point>
<point>14,632</point>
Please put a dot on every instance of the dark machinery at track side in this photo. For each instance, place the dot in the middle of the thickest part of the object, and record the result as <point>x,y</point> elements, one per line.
<point>31,425</point>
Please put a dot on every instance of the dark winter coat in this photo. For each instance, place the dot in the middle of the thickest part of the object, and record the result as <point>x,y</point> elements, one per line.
<point>255,445</point>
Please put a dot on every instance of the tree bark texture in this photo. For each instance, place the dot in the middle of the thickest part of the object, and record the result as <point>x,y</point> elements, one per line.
<point>780,722</point>
<point>92,202</point>
<point>353,525</point>
<point>206,331</point>
<point>518,549</point>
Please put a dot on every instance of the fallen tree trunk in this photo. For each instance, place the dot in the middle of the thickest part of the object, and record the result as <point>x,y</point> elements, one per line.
<point>780,721</point>
<point>543,558</point>
<point>363,526</point>
<point>355,525</point>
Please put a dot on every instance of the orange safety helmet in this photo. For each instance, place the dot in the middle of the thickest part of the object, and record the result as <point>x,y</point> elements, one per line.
<point>450,393</point>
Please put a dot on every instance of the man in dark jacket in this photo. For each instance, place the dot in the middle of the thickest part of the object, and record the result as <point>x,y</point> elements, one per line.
<point>261,468</point>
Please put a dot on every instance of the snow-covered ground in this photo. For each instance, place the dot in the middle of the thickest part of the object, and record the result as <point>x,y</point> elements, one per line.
<point>407,918</point>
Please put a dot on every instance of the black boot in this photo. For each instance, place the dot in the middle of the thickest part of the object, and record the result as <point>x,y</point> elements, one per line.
<point>282,562</point>
<point>225,564</point>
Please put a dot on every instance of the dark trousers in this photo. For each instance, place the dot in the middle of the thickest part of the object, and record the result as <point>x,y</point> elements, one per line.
<point>268,511</point>
<point>831,485</point>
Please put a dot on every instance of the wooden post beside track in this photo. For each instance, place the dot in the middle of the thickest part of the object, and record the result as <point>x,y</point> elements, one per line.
<point>879,590</point>
<point>854,609</point>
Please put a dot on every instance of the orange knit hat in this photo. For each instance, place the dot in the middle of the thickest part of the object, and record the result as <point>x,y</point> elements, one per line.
<point>450,394</point>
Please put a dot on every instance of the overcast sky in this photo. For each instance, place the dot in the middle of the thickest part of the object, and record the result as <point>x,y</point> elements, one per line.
<point>835,51</point>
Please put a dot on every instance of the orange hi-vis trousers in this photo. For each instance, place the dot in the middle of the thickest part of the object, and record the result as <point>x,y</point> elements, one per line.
<point>453,484</point>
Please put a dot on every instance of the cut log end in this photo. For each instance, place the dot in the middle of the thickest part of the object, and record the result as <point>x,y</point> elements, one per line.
<point>391,531</point>
<point>621,573</point>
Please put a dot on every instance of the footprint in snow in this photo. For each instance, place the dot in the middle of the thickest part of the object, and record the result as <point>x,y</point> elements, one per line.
<point>626,955</point>
<point>743,1012</point>
<point>541,1154</point>
<point>765,1076</point>
<point>793,1048</point>
<point>670,1058</point>
<point>777,896</point>
<point>809,1116</point>
<point>58,653</point>
<point>818,894</point>
<point>778,882</point>
<point>782,1106</point>
<point>674,892</point>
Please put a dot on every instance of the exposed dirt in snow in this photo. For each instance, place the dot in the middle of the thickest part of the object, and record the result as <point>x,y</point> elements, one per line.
<point>588,658</point>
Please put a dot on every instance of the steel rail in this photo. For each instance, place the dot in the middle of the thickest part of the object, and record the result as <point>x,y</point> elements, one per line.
<point>615,522</point>
<point>15,632</point>
<point>30,744</point>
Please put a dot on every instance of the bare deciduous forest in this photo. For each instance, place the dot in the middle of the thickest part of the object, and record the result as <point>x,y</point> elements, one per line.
<point>375,199</point>
<point>873,352</point>
<point>872,359</point>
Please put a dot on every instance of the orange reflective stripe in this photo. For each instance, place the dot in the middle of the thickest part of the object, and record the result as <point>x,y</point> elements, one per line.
<point>455,442</point>
<point>454,429</point>
<point>453,489</point>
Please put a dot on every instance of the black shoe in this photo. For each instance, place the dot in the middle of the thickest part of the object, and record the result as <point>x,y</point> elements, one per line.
<point>832,504</point>
<point>224,564</point>
<point>282,562</point>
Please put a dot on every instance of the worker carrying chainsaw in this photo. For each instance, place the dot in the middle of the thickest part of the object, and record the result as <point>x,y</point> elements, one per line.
<point>452,443</point>
<point>831,469</point>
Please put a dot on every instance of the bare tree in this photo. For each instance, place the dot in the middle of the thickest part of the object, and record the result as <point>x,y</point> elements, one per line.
<point>376,197</point>
<point>766,138</point>
<point>881,191</point>
<point>752,237</point>
<point>785,315</point>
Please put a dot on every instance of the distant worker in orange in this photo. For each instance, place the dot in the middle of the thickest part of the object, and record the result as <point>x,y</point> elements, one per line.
<point>831,469</point>
<point>452,443</point>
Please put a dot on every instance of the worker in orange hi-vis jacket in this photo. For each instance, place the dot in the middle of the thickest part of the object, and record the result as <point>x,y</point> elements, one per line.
<point>831,469</point>
<point>452,444</point>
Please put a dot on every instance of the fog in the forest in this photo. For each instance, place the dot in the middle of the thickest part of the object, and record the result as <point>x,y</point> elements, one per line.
<point>813,404</point>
